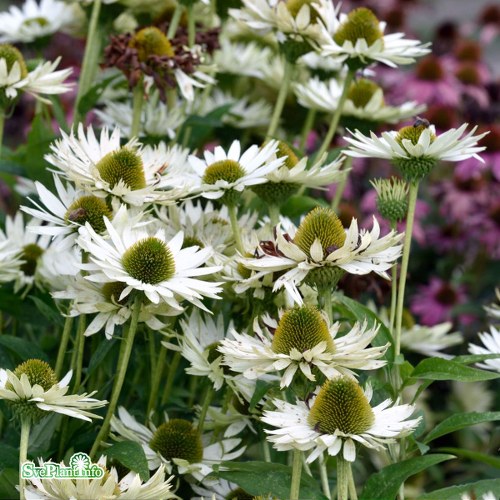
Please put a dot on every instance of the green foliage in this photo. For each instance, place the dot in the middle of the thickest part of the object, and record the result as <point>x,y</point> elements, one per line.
<point>130,455</point>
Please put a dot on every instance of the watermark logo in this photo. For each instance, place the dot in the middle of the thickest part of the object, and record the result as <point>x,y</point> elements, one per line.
<point>80,466</point>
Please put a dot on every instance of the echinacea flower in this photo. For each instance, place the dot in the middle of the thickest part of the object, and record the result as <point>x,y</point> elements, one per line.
<point>491,345</point>
<point>15,77</point>
<point>145,261</point>
<point>335,419</point>
<point>35,20</point>
<point>130,486</point>
<point>175,443</point>
<point>33,391</point>
<point>134,173</point>
<point>416,149</point>
<point>358,39</point>
<point>320,250</point>
<point>224,175</point>
<point>304,340</point>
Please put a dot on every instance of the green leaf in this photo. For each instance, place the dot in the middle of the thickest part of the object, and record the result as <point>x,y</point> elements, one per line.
<point>298,205</point>
<point>261,388</point>
<point>468,359</point>
<point>473,455</point>
<point>362,313</point>
<point>9,457</point>
<point>89,100</point>
<point>99,355</point>
<point>51,313</point>
<point>263,478</point>
<point>384,485</point>
<point>445,369</point>
<point>9,479</point>
<point>479,488</point>
<point>24,349</point>
<point>130,455</point>
<point>460,421</point>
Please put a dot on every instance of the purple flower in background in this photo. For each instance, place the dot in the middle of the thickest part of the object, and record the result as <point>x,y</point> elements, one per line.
<point>434,303</point>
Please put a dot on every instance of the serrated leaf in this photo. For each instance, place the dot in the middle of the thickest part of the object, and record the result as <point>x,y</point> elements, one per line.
<point>362,313</point>
<point>473,455</point>
<point>24,349</point>
<point>460,421</point>
<point>263,478</point>
<point>384,485</point>
<point>478,489</point>
<point>130,455</point>
<point>445,369</point>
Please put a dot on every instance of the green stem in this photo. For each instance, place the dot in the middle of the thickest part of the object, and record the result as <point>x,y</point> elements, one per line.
<point>172,369</point>
<point>80,344</point>
<point>323,472</point>
<point>343,467</point>
<point>394,291</point>
<point>90,58</point>
<point>2,124</point>
<point>23,452</point>
<point>266,451</point>
<point>412,202</point>
<point>174,23</point>
<point>156,380</point>
<point>123,360</point>
<point>137,100</point>
<point>353,495</point>
<point>233,216</point>
<point>280,101</point>
<point>274,214</point>
<point>171,95</point>
<point>336,116</point>
<point>206,403</point>
<point>308,125</point>
<point>63,345</point>
<point>326,302</point>
<point>191,27</point>
<point>296,473</point>
<point>339,192</point>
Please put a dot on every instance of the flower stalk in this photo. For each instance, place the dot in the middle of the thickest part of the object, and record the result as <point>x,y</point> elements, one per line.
<point>233,216</point>
<point>137,101</point>
<point>79,347</point>
<point>296,473</point>
<point>204,409</point>
<point>68,324</point>
<point>394,290</point>
<point>174,23</point>
<point>323,472</point>
<point>280,101</point>
<point>23,452</point>
<point>339,192</point>
<point>343,468</point>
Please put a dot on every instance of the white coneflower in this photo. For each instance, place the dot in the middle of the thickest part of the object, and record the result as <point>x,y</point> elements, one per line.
<point>33,391</point>
<point>416,149</point>
<point>147,262</point>
<point>15,77</point>
<point>337,418</point>
<point>175,443</point>
<point>136,174</point>
<point>302,340</point>
<point>491,345</point>
<point>130,487</point>
<point>320,250</point>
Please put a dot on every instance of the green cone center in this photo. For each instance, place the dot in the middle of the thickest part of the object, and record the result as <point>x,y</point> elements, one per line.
<point>224,170</point>
<point>124,165</point>
<point>38,372</point>
<point>302,328</point>
<point>177,438</point>
<point>360,23</point>
<point>361,92</point>
<point>323,224</point>
<point>149,260</point>
<point>31,253</point>
<point>12,55</point>
<point>238,494</point>
<point>294,7</point>
<point>151,42</point>
<point>89,209</point>
<point>341,404</point>
<point>285,150</point>
<point>412,133</point>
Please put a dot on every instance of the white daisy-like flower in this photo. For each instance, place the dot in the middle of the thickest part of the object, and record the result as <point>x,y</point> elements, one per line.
<point>358,39</point>
<point>337,418</point>
<point>294,174</point>
<point>365,100</point>
<point>321,250</point>
<point>198,342</point>
<point>221,490</point>
<point>416,149</point>
<point>163,270</point>
<point>15,77</point>
<point>491,343</point>
<point>134,173</point>
<point>224,174</point>
<point>156,119</point>
<point>109,486</point>
<point>110,312</point>
<point>175,443</point>
<point>302,340</point>
<point>489,495</point>
<point>430,340</point>
<point>33,391</point>
<point>35,20</point>
<point>10,261</point>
